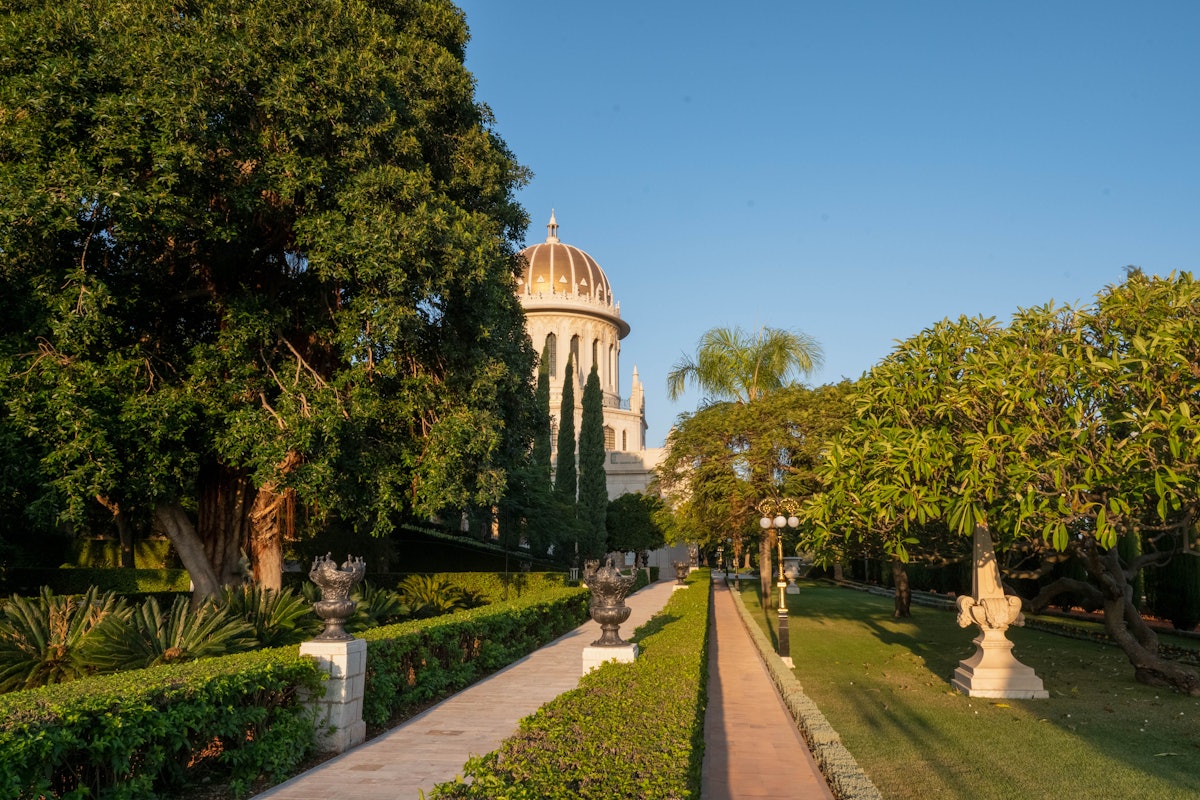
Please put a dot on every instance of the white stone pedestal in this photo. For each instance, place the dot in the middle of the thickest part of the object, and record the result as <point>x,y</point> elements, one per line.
<point>677,587</point>
<point>993,671</point>
<point>595,656</point>
<point>339,719</point>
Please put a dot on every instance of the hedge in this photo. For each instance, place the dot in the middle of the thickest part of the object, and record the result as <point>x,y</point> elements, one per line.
<point>461,647</point>
<point>136,734</point>
<point>140,733</point>
<point>628,731</point>
<point>72,580</point>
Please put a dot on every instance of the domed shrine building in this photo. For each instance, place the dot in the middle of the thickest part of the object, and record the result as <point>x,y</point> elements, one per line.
<point>571,313</point>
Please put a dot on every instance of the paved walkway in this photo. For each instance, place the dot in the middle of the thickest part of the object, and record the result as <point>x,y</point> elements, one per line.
<point>752,747</point>
<point>433,746</point>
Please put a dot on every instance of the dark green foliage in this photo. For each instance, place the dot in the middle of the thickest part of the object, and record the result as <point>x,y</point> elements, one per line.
<point>275,618</point>
<point>629,731</point>
<point>255,247</point>
<point>634,522</point>
<point>414,662</point>
<point>566,482</point>
<point>150,636</point>
<point>139,734</point>
<point>431,595</point>
<point>1176,591</point>
<point>376,606</point>
<point>48,638</point>
<point>593,482</point>
<point>78,581</point>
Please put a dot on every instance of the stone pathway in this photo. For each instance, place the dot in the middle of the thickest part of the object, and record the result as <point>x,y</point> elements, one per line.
<point>752,747</point>
<point>433,746</point>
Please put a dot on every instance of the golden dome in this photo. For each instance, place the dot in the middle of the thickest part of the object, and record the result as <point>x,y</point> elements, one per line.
<point>554,268</point>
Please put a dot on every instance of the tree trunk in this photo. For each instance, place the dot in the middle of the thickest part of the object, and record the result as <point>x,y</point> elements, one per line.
<point>270,518</point>
<point>178,526</point>
<point>903,590</point>
<point>226,499</point>
<point>1130,632</point>
<point>125,534</point>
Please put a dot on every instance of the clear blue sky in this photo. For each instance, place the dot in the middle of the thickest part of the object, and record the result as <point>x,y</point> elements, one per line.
<point>854,170</point>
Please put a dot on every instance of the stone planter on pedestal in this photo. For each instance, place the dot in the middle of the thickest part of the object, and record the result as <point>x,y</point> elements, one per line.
<point>609,588</point>
<point>339,719</point>
<point>993,671</point>
<point>682,568</point>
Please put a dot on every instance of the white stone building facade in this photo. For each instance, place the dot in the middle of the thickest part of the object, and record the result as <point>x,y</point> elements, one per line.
<point>571,311</point>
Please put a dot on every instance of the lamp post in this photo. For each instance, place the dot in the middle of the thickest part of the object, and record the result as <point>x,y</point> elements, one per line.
<point>778,514</point>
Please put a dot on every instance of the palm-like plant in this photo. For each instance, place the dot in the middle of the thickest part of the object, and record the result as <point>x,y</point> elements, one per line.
<point>429,595</point>
<point>377,606</point>
<point>149,637</point>
<point>275,617</point>
<point>731,364</point>
<point>45,639</point>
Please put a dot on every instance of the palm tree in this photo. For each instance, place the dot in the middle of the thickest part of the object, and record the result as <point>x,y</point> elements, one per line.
<point>731,364</point>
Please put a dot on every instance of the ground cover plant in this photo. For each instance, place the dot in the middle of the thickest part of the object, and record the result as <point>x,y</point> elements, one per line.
<point>883,683</point>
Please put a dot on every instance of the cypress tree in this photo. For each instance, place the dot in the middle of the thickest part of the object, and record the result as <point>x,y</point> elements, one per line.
<point>593,485</point>
<point>540,505</point>
<point>541,437</point>
<point>566,483</point>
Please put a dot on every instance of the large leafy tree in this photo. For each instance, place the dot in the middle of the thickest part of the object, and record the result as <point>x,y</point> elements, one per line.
<point>724,459</point>
<point>741,367</point>
<point>1060,434</point>
<point>636,522</point>
<point>256,256</point>
<point>593,480</point>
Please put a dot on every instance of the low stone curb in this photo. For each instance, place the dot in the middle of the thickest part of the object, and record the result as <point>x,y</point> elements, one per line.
<point>846,779</point>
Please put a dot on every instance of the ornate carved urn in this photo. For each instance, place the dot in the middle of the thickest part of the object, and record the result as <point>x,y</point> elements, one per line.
<point>993,671</point>
<point>335,605</point>
<point>609,588</point>
<point>681,571</point>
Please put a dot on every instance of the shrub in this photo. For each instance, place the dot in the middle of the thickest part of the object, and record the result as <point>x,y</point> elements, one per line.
<point>629,730</point>
<point>276,618</point>
<point>432,595</point>
<point>148,637</point>
<point>414,662</point>
<point>44,639</point>
<point>138,734</point>
<point>377,606</point>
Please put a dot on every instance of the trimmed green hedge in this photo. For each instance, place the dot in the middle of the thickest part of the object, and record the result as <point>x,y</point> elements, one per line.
<point>629,730</point>
<point>140,733</point>
<point>414,662</point>
<point>79,580</point>
<point>137,734</point>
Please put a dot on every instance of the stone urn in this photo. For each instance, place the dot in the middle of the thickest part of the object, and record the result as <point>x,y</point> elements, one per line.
<point>609,588</point>
<point>795,567</point>
<point>335,605</point>
<point>681,571</point>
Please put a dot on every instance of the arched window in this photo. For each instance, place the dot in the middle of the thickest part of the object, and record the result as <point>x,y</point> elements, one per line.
<point>610,438</point>
<point>596,354</point>
<point>551,354</point>
<point>553,427</point>
<point>575,351</point>
<point>624,440</point>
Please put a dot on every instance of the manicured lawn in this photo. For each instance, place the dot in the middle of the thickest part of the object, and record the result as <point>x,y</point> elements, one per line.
<point>884,685</point>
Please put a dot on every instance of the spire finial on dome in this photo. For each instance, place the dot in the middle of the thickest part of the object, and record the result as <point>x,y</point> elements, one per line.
<point>552,229</point>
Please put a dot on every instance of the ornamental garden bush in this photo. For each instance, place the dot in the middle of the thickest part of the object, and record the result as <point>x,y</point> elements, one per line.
<point>631,730</point>
<point>232,719</point>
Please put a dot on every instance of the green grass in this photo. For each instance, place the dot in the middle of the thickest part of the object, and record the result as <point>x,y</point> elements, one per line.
<point>884,685</point>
